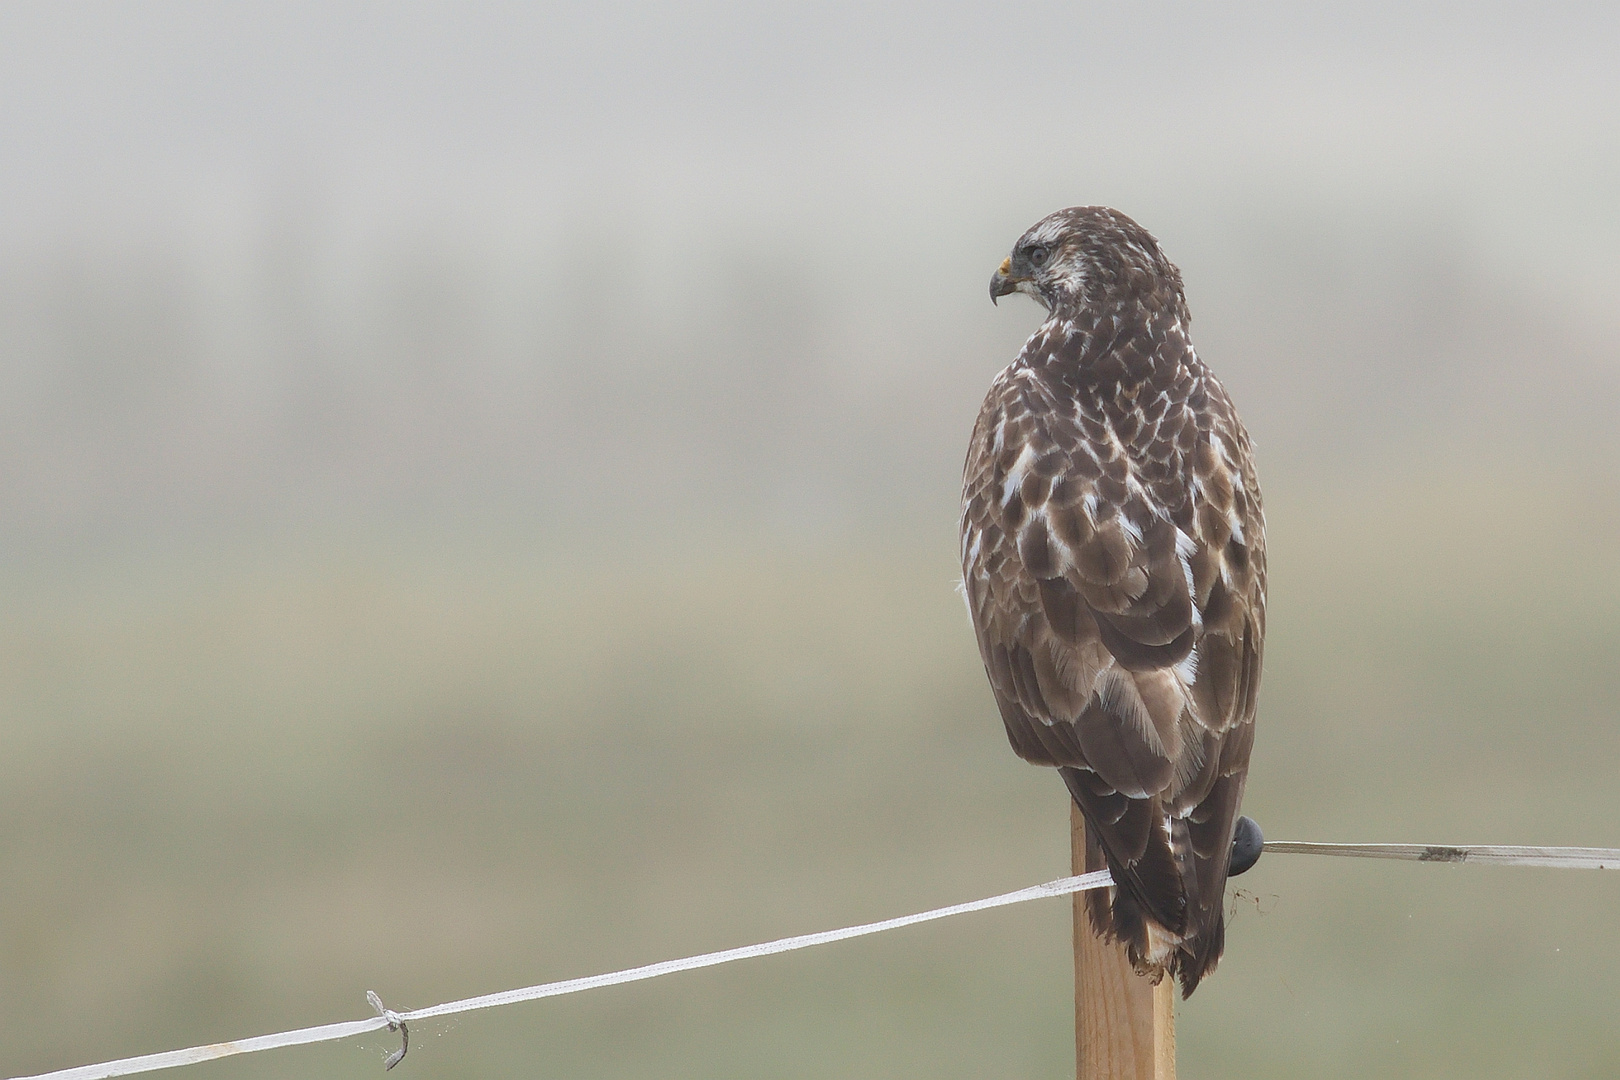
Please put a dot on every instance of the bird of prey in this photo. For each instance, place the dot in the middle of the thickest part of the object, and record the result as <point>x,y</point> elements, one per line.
<point>1114,565</point>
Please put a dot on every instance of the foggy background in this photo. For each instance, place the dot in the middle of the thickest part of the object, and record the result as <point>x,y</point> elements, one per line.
<point>477,506</point>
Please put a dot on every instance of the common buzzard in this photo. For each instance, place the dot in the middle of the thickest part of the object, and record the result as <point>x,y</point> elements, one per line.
<point>1114,562</point>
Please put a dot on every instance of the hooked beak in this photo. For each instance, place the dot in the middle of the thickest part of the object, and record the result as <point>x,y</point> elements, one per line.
<point>1002,283</point>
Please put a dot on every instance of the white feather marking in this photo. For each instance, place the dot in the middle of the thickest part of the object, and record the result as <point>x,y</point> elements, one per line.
<point>1015,476</point>
<point>1033,291</point>
<point>1089,504</point>
<point>1186,548</point>
<point>1187,670</point>
<point>1236,525</point>
<point>1132,530</point>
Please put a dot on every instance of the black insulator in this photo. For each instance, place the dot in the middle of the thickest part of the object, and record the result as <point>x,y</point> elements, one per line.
<point>1247,843</point>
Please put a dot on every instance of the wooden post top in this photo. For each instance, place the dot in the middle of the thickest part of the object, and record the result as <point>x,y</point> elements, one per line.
<point>1124,1025</point>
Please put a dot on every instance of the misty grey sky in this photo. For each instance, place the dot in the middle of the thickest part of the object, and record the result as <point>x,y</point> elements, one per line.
<point>253,250</point>
<point>1473,104</point>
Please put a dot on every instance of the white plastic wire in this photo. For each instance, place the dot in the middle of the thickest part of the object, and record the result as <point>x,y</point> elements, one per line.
<point>330,1032</point>
<point>1567,858</point>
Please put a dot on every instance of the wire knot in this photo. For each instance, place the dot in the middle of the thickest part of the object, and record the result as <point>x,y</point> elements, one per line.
<point>395,1023</point>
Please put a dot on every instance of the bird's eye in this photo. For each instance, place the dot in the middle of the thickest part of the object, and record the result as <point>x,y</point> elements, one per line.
<point>1036,255</point>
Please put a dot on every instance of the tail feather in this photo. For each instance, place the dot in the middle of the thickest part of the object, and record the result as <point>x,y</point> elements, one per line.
<point>1167,904</point>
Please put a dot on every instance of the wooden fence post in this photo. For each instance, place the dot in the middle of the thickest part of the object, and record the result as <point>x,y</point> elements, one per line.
<point>1124,1026</point>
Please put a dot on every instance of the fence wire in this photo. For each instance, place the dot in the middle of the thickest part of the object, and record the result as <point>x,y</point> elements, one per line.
<point>1563,857</point>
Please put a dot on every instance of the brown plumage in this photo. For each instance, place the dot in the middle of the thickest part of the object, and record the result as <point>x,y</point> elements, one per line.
<point>1114,562</point>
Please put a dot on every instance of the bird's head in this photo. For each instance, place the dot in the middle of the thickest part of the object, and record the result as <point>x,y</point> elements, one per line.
<point>1089,256</point>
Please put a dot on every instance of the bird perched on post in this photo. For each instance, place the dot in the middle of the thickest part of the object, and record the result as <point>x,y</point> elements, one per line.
<point>1114,564</point>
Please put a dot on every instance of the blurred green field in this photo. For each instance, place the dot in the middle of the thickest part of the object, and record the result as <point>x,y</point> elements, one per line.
<point>240,787</point>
